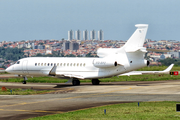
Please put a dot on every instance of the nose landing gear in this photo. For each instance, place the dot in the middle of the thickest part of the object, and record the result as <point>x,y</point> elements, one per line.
<point>25,78</point>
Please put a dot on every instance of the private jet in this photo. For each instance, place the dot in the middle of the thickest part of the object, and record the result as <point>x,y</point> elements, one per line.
<point>111,62</point>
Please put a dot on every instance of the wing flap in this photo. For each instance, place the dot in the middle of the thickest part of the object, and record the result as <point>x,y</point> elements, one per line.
<point>70,76</point>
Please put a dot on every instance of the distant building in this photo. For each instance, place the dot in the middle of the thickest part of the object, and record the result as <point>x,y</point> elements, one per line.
<point>100,35</point>
<point>78,35</point>
<point>48,51</point>
<point>41,47</point>
<point>74,46</point>
<point>23,45</point>
<point>66,45</point>
<point>70,35</point>
<point>174,54</point>
<point>85,35</point>
<point>92,35</point>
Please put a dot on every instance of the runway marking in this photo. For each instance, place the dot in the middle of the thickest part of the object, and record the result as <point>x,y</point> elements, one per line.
<point>83,96</point>
<point>30,111</point>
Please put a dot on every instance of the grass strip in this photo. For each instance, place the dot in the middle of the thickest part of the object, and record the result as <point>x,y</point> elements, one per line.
<point>125,111</point>
<point>46,79</point>
<point>19,91</point>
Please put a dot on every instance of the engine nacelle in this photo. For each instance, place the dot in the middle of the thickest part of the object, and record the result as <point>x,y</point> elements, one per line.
<point>104,63</point>
<point>148,63</point>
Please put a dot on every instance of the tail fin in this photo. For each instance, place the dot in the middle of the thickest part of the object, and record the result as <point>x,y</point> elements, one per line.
<point>136,41</point>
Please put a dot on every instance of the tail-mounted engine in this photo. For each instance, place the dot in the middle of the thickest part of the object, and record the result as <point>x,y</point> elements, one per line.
<point>148,63</point>
<point>104,63</point>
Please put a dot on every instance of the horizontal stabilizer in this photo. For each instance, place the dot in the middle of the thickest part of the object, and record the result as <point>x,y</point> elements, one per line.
<point>142,49</point>
<point>157,50</point>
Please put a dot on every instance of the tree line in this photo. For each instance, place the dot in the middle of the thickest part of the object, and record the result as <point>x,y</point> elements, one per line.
<point>11,53</point>
<point>169,61</point>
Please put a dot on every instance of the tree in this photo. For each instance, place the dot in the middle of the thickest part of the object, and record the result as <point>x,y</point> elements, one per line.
<point>168,61</point>
<point>39,55</point>
<point>70,55</point>
<point>89,55</point>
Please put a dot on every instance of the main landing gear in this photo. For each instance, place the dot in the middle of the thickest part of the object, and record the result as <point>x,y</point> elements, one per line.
<point>95,81</point>
<point>75,82</point>
<point>25,78</point>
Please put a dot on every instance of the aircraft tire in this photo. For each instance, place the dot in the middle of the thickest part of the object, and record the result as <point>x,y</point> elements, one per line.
<point>95,81</point>
<point>24,82</point>
<point>76,82</point>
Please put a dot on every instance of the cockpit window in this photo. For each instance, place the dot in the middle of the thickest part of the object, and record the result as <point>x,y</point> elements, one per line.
<point>18,62</point>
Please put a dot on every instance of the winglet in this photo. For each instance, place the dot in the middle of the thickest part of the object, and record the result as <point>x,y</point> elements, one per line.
<point>169,68</point>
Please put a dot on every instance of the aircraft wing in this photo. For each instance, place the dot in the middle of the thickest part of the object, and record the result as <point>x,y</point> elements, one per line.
<point>54,73</point>
<point>70,76</point>
<point>166,71</point>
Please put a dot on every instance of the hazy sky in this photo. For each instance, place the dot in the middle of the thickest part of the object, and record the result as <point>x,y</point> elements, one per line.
<point>51,19</point>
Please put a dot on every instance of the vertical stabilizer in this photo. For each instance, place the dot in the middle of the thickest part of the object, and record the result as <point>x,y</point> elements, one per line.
<point>136,41</point>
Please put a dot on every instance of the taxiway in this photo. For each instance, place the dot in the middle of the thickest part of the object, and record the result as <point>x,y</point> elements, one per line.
<point>69,98</point>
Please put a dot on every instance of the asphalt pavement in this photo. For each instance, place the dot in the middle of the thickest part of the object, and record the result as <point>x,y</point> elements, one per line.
<point>69,98</point>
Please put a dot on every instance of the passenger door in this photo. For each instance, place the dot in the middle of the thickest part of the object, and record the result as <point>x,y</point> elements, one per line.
<point>24,67</point>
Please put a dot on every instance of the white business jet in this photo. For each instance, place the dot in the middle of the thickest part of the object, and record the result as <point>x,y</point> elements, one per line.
<point>111,62</point>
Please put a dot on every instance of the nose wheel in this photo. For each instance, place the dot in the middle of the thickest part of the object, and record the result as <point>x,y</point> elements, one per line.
<point>25,78</point>
<point>24,82</point>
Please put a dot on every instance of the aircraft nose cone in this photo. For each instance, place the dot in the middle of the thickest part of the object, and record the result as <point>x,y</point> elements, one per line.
<point>9,69</point>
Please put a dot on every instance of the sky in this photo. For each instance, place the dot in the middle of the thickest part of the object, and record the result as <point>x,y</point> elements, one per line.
<point>52,19</point>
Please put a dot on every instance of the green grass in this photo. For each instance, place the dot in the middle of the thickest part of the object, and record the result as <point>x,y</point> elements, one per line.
<point>44,79</point>
<point>126,111</point>
<point>19,91</point>
<point>112,79</point>
<point>4,73</point>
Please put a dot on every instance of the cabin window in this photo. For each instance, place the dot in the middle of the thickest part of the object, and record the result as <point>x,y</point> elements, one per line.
<point>67,64</point>
<point>77,64</point>
<point>54,64</point>
<point>51,64</point>
<point>58,64</point>
<point>84,64</point>
<point>61,64</point>
<point>35,64</point>
<point>71,64</point>
<point>38,64</point>
<point>41,64</point>
<point>74,64</point>
<point>64,64</point>
<point>44,64</point>
<point>48,64</point>
<point>18,62</point>
<point>81,64</point>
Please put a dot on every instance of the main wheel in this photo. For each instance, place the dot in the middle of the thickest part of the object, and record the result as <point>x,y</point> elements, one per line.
<point>76,82</point>
<point>95,81</point>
